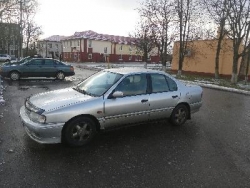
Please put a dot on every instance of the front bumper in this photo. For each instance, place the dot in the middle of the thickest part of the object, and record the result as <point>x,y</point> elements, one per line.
<point>41,133</point>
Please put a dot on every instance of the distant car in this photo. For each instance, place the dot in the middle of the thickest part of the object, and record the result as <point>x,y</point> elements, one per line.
<point>110,98</point>
<point>36,67</point>
<point>5,58</point>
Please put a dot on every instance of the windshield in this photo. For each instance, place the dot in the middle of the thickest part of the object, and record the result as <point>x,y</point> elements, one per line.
<point>24,60</point>
<point>99,83</point>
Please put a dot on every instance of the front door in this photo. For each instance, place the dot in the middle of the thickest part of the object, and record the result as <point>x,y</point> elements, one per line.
<point>133,106</point>
<point>33,68</point>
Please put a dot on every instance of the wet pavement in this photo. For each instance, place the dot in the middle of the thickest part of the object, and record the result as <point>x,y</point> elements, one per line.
<point>210,150</point>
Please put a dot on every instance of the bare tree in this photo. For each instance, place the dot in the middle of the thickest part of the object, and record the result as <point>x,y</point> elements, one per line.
<point>8,9</point>
<point>184,12</point>
<point>239,21</point>
<point>218,11</point>
<point>159,14</point>
<point>31,31</point>
<point>144,39</point>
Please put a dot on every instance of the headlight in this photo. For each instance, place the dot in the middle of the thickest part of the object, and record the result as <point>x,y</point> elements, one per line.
<point>37,118</point>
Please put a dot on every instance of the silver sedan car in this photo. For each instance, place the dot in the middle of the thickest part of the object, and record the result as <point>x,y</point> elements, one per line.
<point>112,97</point>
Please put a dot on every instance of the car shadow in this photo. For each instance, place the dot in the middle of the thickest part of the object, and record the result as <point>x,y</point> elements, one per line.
<point>139,136</point>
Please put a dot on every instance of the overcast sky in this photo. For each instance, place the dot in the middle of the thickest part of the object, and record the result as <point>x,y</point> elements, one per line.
<point>64,17</point>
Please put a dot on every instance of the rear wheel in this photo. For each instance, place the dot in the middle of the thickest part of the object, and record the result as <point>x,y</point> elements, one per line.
<point>60,76</point>
<point>179,115</point>
<point>79,131</point>
<point>14,75</point>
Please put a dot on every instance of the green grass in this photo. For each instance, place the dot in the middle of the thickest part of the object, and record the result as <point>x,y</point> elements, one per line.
<point>225,82</point>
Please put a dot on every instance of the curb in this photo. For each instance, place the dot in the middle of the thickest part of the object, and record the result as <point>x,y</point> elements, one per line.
<point>212,86</point>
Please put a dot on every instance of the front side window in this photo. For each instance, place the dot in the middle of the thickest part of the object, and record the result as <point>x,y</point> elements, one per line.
<point>133,85</point>
<point>36,62</point>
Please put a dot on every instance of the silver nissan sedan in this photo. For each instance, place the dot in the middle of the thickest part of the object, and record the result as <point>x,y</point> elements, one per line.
<point>112,97</point>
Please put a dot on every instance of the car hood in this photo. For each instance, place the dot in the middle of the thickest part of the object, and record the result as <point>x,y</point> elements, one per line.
<point>53,100</point>
<point>11,64</point>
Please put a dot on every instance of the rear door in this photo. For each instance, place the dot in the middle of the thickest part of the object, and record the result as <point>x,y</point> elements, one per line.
<point>164,96</point>
<point>49,68</point>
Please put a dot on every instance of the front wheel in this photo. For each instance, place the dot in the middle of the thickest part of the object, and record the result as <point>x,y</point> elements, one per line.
<point>179,115</point>
<point>14,76</point>
<point>79,131</point>
<point>60,76</point>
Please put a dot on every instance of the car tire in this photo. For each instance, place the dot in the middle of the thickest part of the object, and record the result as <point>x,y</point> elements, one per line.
<point>60,76</point>
<point>79,131</point>
<point>14,75</point>
<point>179,115</point>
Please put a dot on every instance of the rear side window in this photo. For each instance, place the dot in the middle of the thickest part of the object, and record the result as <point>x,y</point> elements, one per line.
<point>159,83</point>
<point>172,84</point>
<point>49,62</point>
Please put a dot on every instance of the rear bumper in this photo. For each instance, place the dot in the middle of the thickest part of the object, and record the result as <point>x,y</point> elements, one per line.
<point>195,107</point>
<point>69,73</point>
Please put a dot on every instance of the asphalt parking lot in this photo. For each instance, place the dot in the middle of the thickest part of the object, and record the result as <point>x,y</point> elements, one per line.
<point>210,150</point>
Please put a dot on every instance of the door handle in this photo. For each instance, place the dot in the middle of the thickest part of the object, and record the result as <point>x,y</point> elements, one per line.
<point>144,100</point>
<point>174,96</point>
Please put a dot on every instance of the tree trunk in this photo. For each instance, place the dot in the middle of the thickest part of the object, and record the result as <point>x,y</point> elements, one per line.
<point>164,68</point>
<point>217,59</point>
<point>234,78</point>
<point>179,73</point>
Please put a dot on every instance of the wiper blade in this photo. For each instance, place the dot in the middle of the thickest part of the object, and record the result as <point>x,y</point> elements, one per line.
<point>80,90</point>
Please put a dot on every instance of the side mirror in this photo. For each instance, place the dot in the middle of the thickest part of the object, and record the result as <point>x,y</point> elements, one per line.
<point>117,94</point>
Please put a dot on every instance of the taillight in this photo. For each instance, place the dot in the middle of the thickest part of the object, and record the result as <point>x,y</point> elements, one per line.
<point>72,68</point>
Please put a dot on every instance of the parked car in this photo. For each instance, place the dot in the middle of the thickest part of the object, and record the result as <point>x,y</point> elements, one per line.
<point>36,67</point>
<point>5,58</point>
<point>109,98</point>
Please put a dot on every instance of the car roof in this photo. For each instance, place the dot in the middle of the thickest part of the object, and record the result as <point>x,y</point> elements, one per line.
<point>129,70</point>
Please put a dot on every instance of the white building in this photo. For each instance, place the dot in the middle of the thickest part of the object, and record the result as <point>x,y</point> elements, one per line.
<point>50,47</point>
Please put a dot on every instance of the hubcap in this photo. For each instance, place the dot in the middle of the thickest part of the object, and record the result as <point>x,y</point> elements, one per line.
<point>14,76</point>
<point>180,116</point>
<point>60,76</point>
<point>81,132</point>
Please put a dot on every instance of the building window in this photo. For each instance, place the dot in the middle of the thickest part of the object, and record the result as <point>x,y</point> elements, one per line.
<point>70,43</point>
<point>105,50</point>
<point>90,44</point>
<point>120,57</point>
<point>78,43</point>
<point>50,45</point>
<point>90,56</point>
<point>121,48</point>
<point>57,46</point>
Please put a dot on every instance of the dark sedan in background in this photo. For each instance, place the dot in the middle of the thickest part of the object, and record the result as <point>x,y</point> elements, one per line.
<point>36,67</point>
